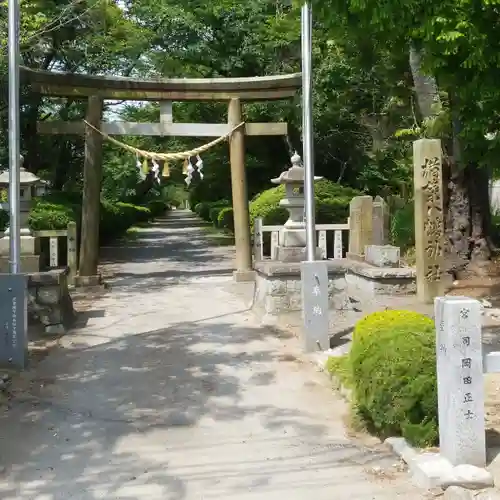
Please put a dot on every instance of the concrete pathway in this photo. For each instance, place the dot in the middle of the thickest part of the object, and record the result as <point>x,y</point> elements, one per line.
<point>169,389</point>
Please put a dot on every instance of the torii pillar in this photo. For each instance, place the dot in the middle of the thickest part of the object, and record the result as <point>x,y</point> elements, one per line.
<point>244,271</point>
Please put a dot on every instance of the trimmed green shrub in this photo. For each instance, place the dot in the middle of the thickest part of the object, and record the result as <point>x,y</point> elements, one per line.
<point>157,208</point>
<point>4,220</point>
<point>403,227</point>
<point>332,203</point>
<point>393,373</point>
<point>117,217</point>
<point>55,211</point>
<point>226,219</point>
<point>203,210</point>
<point>214,214</point>
<point>332,210</point>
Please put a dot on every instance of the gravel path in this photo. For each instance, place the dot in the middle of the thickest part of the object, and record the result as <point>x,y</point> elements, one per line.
<point>169,389</point>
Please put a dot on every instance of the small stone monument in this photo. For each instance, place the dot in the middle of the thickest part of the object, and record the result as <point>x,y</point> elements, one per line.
<point>30,261</point>
<point>360,226</point>
<point>292,238</point>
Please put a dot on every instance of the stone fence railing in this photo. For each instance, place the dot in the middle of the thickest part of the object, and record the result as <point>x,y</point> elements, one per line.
<point>321,230</point>
<point>53,235</point>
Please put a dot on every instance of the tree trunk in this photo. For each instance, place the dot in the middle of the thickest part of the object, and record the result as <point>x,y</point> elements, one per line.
<point>424,85</point>
<point>465,188</point>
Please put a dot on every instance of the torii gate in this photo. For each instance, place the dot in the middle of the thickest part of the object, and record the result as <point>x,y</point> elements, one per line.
<point>97,88</point>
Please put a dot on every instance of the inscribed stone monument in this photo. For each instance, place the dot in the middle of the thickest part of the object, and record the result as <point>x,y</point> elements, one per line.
<point>360,226</point>
<point>460,380</point>
<point>380,222</point>
<point>429,222</point>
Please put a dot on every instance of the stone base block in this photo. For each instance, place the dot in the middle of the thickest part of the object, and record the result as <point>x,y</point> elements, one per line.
<point>28,245</point>
<point>382,255</point>
<point>28,264</point>
<point>279,287</point>
<point>355,257</point>
<point>294,254</point>
<point>293,237</point>
<point>244,276</point>
<point>81,281</point>
<point>366,282</point>
<point>49,301</point>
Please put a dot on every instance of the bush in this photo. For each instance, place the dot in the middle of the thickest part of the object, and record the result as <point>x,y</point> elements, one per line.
<point>214,215</point>
<point>209,211</point>
<point>332,203</point>
<point>393,372</point>
<point>203,210</point>
<point>157,208</point>
<point>226,219</point>
<point>4,220</point>
<point>117,217</point>
<point>55,211</point>
<point>403,227</point>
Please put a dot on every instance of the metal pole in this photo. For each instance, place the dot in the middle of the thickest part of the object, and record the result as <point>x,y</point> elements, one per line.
<point>307,131</point>
<point>14,133</point>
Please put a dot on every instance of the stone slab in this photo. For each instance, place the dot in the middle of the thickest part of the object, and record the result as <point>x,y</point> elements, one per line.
<point>315,304</point>
<point>432,470</point>
<point>382,255</point>
<point>244,276</point>
<point>28,264</point>
<point>13,321</point>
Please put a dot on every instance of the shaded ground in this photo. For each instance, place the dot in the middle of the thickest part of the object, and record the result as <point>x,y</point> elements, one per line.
<point>168,389</point>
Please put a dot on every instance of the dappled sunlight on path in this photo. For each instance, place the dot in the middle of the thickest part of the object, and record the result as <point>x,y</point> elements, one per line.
<point>168,388</point>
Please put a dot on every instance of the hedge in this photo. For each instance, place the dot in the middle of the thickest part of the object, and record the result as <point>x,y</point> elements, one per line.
<point>392,373</point>
<point>56,210</point>
<point>332,204</point>
<point>226,219</point>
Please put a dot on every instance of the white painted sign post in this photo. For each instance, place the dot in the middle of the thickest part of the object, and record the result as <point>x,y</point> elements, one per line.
<point>460,368</point>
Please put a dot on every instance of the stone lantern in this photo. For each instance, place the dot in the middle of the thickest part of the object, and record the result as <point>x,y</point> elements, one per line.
<point>30,262</point>
<point>292,238</point>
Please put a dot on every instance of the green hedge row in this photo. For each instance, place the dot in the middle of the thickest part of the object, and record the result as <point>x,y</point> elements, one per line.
<point>57,210</point>
<point>219,213</point>
<point>332,204</point>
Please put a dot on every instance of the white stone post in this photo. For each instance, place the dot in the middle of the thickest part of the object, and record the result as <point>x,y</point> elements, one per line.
<point>460,380</point>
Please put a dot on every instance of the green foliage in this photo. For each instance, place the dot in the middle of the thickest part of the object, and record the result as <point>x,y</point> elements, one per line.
<point>4,220</point>
<point>117,217</point>
<point>332,203</point>
<point>392,366</point>
<point>156,208</point>
<point>402,228</point>
<point>55,211</point>
<point>226,219</point>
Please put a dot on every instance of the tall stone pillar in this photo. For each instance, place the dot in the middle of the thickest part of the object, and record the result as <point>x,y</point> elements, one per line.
<point>92,174</point>
<point>429,220</point>
<point>244,271</point>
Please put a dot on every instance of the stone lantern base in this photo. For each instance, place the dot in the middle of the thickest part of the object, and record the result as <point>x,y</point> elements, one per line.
<point>294,254</point>
<point>30,261</point>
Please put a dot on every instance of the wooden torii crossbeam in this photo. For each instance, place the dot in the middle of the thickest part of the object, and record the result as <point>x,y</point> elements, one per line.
<point>165,128</point>
<point>164,91</point>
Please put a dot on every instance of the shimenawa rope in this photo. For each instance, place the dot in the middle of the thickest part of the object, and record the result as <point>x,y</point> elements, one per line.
<point>165,156</point>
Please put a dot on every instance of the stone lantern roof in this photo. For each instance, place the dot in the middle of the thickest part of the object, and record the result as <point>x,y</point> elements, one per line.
<point>295,174</point>
<point>26,178</point>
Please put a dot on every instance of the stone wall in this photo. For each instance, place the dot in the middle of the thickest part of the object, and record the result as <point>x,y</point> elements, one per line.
<point>279,285</point>
<point>49,301</point>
